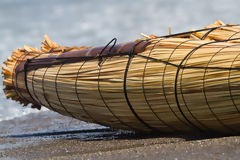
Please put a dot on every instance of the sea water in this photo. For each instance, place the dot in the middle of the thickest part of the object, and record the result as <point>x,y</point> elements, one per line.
<point>96,22</point>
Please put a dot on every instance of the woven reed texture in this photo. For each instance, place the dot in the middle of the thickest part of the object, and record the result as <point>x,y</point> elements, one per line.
<point>174,85</point>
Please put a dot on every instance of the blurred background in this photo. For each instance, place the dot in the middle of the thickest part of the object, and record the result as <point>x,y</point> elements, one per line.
<point>96,22</point>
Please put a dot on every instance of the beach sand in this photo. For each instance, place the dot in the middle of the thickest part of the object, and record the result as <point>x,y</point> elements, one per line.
<point>48,135</point>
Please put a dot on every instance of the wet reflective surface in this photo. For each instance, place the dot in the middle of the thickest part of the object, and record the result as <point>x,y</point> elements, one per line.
<point>48,135</point>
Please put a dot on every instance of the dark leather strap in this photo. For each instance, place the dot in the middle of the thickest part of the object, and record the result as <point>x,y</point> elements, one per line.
<point>82,55</point>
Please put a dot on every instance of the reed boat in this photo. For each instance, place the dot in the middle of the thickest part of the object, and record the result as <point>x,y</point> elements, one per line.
<point>185,82</point>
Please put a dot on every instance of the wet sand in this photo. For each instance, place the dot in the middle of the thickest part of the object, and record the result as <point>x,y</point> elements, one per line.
<point>37,136</point>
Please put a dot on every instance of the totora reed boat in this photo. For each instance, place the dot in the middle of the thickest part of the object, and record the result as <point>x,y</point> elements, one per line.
<point>182,82</point>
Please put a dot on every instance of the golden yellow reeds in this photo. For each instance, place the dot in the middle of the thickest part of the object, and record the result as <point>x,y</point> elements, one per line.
<point>177,84</point>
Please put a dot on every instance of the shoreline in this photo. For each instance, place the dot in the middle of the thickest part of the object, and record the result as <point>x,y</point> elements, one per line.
<point>48,135</point>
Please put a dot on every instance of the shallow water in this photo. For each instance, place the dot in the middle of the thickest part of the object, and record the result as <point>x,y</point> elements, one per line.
<point>94,22</point>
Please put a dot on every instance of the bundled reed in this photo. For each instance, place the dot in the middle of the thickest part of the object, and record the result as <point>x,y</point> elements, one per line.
<point>179,83</point>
